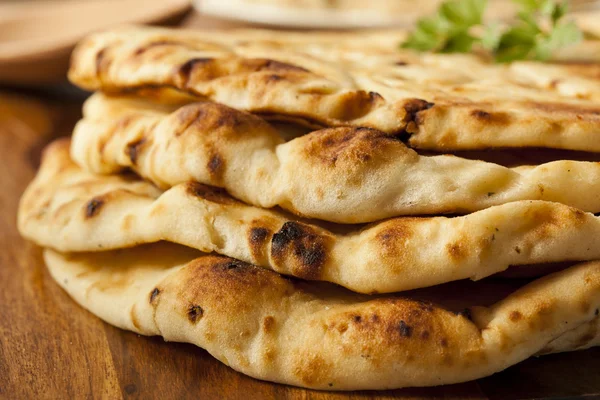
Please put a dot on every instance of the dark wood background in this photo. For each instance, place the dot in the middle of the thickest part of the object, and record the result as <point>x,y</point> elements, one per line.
<point>52,348</point>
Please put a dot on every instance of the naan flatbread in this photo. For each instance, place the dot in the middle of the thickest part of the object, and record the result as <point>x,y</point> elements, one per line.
<point>345,175</point>
<point>323,337</point>
<point>71,210</point>
<point>437,101</point>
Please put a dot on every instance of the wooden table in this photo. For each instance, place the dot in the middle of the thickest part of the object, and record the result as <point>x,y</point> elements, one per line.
<point>52,348</point>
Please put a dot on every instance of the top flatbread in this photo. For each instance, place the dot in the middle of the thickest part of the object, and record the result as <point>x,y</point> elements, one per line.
<point>433,101</point>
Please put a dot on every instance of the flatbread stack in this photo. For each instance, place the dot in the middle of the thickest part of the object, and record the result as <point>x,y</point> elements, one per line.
<point>321,210</point>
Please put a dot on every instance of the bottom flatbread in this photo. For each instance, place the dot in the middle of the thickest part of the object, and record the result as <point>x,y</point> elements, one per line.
<point>321,336</point>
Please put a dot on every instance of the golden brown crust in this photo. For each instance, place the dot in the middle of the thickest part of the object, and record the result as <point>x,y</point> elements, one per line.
<point>349,79</point>
<point>69,209</point>
<point>344,174</point>
<point>323,337</point>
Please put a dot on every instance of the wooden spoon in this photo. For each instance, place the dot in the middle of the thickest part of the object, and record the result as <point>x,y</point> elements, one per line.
<point>36,38</point>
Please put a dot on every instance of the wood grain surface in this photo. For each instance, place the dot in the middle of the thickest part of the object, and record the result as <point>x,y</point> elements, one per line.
<point>53,349</point>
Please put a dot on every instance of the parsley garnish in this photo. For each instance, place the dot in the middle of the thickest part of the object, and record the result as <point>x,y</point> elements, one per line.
<point>453,29</point>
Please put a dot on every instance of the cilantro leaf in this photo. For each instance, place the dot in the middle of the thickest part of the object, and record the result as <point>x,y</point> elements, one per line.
<point>562,35</point>
<point>463,13</point>
<point>461,42</point>
<point>430,34</point>
<point>548,8</point>
<point>451,30</point>
<point>491,36</point>
<point>565,34</point>
<point>516,43</point>
<point>559,11</point>
<point>448,30</point>
<point>531,5</point>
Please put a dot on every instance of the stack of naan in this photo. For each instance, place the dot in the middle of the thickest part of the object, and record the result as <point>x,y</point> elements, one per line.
<point>325,210</point>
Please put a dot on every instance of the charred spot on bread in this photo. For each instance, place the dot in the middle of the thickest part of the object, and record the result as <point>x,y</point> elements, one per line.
<point>93,207</point>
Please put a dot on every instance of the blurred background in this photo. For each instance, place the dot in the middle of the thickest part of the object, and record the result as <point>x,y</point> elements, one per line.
<point>37,36</point>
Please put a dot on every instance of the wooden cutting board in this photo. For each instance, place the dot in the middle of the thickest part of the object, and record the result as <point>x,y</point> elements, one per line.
<point>52,348</point>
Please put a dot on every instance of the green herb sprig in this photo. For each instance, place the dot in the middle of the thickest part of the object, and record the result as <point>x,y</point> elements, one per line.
<point>455,26</point>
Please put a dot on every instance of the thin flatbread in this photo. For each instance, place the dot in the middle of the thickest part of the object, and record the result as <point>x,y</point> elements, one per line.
<point>344,175</point>
<point>323,337</point>
<point>435,101</point>
<point>71,210</point>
